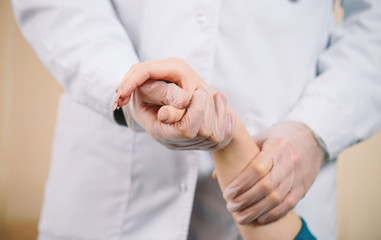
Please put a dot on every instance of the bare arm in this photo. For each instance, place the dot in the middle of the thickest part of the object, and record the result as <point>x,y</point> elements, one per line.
<point>231,160</point>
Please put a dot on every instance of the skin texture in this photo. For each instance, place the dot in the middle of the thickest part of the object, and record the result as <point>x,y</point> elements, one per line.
<point>229,162</point>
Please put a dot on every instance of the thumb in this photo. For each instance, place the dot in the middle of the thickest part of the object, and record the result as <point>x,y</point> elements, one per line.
<point>169,114</point>
<point>161,93</point>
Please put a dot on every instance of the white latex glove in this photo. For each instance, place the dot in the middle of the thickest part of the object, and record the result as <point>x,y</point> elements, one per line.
<point>296,158</point>
<point>204,123</point>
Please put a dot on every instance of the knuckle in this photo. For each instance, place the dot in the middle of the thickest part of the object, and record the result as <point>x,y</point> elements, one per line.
<point>204,132</point>
<point>278,142</point>
<point>286,145</point>
<point>266,186</point>
<point>258,168</point>
<point>296,158</point>
<point>187,133</point>
<point>275,197</point>
<point>143,67</point>
<point>216,138</point>
<point>181,63</point>
<point>284,142</point>
<point>266,155</point>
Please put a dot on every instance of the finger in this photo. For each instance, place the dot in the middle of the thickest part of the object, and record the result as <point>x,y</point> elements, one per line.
<point>207,125</point>
<point>231,125</point>
<point>169,115</point>
<point>141,72</point>
<point>255,193</point>
<point>207,144</point>
<point>172,70</point>
<point>161,93</point>
<point>272,200</point>
<point>280,171</point>
<point>229,131</point>
<point>118,102</point>
<point>288,203</point>
<point>188,144</point>
<point>220,101</point>
<point>193,119</point>
<point>190,123</point>
<point>251,174</point>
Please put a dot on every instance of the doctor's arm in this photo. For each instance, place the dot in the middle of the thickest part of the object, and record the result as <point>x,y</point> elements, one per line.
<point>82,43</point>
<point>86,48</point>
<point>339,108</point>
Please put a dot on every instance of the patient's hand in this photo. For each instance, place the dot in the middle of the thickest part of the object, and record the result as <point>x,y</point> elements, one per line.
<point>205,120</point>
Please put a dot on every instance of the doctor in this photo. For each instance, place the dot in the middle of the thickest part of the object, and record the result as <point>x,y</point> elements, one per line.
<point>300,85</point>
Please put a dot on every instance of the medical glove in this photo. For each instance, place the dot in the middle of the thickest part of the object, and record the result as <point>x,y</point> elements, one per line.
<point>202,121</point>
<point>296,157</point>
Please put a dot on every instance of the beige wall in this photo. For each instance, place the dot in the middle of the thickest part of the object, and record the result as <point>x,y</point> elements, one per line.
<point>28,100</point>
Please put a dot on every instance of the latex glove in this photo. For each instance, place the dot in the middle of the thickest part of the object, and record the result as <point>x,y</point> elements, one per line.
<point>173,70</point>
<point>205,122</point>
<point>152,96</point>
<point>296,159</point>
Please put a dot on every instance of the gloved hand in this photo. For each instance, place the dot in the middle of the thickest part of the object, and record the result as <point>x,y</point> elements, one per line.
<point>173,70</point>
<point>204,123</point>
<point>157,95</point>
<point>296,158</point>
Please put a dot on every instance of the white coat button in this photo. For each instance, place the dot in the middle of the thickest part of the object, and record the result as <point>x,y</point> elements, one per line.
<point>183,187</point>
<point>201,18</point>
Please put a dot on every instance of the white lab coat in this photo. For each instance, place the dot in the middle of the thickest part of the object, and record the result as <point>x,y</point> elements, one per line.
<point>275,59</point>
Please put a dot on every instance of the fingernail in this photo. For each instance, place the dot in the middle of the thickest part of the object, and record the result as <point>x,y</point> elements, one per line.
<point>242,219</point>
<point>164,115</point>
<point>114,106</point>
<point>262,219</point>
<point>232,207</point>
<point>229,193</point>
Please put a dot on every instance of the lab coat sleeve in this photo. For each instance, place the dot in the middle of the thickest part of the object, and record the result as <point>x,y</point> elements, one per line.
<point>82,43</point>
<point>342,105</point>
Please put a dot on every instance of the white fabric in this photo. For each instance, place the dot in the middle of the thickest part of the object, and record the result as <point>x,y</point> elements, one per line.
<point>275,59</point>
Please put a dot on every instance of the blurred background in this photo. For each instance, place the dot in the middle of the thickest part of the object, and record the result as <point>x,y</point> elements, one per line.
<point>28,101</point>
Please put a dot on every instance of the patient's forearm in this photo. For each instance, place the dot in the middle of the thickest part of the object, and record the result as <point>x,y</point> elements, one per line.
<point>231,160</point>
